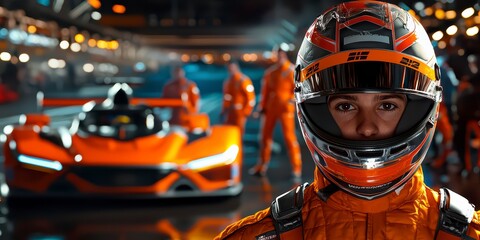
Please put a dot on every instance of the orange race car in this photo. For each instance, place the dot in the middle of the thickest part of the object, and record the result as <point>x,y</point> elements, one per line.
<point>122,147</point>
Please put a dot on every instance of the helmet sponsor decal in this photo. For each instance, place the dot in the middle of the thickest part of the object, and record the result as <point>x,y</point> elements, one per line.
<point>312,69</point>
<point>385,185</point>
<point>410,63</point>
<point>357,56</point>
<point>370,55</point>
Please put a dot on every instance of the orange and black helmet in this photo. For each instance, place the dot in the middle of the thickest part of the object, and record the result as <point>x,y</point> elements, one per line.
<point>367,47</point>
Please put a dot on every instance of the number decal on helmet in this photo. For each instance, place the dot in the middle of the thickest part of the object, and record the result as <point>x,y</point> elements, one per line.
<point>354,56</point>
<point>410,63</point>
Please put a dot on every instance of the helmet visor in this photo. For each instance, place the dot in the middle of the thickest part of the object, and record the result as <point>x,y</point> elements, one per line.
<point>366,76</point>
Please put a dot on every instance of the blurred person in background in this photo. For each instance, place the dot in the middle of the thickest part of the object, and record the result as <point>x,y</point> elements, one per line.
<point>238,97</point>
<point>367,94</point>
<point>10,77</point>
<point>445,146</point>
<point>467,109</point>
<point>71,77</point>
<point>277,104</point>
<point>442,148</point>
<point>10,85</point>
<point>182,88</point>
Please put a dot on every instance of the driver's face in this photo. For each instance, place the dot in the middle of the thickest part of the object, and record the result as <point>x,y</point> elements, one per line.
<point>367,116</point>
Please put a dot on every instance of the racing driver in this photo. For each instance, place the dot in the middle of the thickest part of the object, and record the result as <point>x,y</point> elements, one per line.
<point>367,89</point>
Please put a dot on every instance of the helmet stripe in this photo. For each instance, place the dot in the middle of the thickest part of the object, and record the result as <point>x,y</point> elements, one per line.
<point>368,55</point>
<point>405,41</point>
<point>365,18</point>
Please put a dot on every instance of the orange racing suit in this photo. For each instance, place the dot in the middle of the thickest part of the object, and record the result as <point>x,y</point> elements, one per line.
<point>277,103</point>
<point>238,100</point>
<point>410,212</point>
<point>185,90</point>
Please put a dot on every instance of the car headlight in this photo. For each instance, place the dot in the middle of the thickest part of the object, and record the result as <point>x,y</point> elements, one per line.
<point>224,158</point>
<point>40,162</point>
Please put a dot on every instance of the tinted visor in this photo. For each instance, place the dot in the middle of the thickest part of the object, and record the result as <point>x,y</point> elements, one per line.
<point>367,76</point>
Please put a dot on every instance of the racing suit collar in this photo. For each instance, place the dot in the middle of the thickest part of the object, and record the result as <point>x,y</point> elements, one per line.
<point>412,190</point>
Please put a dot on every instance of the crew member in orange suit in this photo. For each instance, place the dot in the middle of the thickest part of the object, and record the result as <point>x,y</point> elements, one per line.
<point>446,129</point>
<point>367,94</point>
<point>277,104</point>
<point>238,97</point>
<point>180,87</point>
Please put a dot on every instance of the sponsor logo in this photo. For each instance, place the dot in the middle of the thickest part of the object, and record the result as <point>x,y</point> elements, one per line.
<point>410,63</point>
<point>267,236</point>
<point>369,187</point>
<point>312,69</point>
<point>357,56</point>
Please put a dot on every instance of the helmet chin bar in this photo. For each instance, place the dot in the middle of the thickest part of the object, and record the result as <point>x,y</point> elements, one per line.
<point>375,191</point>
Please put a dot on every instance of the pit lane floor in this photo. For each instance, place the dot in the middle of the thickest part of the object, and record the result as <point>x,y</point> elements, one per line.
<point>199,218</point>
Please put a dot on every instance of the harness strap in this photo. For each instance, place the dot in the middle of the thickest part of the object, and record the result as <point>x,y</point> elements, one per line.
<point>456,213</point>
<point>286,212</point>
<point>327,191</point>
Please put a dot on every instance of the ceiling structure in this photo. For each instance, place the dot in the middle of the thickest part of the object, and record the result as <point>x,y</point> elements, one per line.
<point>213,24</point>
<point>180,24</point>
<point>216,25</point>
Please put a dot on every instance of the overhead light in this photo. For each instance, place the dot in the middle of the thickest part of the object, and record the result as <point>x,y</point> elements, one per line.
<point>472,31</point>
<point>207,58</point>
<point>226,57</point>
<point>79,38</point>
<point>185,58</point>
<point>61,63</point>
<point>88,67</point>
<point>440,14</point>
<point>118,8</point>
<point>437,35</point>
<point>113,44</point>
<point>75,47</point>
<point>5,56</point>
<point>95,3</point>
<point>64,44</point>
<point>140,67</point>
<point>442,44</point>
<point>452,30</point>
<point>23,57</point>
<point>419,6</point>
<point>92,42</point>
<point>428,11</point>
<point>31,29</point>
<point>96,15</point>
<point>468,12</point>
<point>450,14</point>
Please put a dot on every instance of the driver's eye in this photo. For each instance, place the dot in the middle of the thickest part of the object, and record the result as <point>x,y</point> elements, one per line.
<point>344,107</point>
<point>388,106</point>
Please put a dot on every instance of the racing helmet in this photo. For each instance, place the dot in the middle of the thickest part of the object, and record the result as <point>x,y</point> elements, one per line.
<point>119,95</point>
<point>367,47</point>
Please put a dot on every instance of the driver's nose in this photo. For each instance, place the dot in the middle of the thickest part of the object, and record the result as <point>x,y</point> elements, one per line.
<point>367,125</point>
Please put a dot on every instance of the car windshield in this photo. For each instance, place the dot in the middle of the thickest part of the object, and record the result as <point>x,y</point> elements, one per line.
<point>121,123</point>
